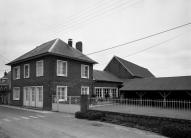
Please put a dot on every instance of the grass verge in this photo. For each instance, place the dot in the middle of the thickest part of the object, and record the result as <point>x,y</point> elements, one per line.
<point>173,128</point>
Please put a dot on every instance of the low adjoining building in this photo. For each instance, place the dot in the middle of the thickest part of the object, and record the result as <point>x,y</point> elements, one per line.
<point>134,81</point>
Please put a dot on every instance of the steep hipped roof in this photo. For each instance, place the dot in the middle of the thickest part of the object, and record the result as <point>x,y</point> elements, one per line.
<point>158,84</point>
<point>105,76</point>
<point>134,69</point>
<point>54,47</point>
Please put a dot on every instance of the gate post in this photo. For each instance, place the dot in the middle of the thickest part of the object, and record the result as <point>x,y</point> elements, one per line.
<point>84,103</point>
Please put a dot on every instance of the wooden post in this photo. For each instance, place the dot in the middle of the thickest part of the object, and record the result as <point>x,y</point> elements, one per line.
<point>141,94</point>
<point>164,95</point>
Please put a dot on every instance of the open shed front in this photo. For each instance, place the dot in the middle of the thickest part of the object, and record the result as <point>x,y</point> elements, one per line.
<point>157,95</point>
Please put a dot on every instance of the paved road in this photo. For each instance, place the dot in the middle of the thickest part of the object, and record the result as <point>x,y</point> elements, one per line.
<point>25,124</point>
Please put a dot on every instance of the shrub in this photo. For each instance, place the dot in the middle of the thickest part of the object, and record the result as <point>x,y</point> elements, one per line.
<point>176,132</point>
<point>95,115</point>
<point>81,115</point>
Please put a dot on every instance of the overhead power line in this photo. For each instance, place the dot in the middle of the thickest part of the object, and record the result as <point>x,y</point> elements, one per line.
<point>90,16</point>
<point>139,39</point>
<point>155,45</point>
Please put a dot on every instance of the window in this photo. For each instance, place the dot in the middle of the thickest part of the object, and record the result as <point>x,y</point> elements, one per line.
<point>85,90</point>
<point>114,92</point>
<point>61,68</point>
<point>84,71</point>
<point>16,72</point>
<point>61,93</point>
<point>106,92</point>
<point>98,92</point>
<point>16,93</point>
<point>39,68</point>
<point>26,71</point>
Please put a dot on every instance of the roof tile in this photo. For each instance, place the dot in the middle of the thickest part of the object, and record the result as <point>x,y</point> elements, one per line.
<point>54,47</point>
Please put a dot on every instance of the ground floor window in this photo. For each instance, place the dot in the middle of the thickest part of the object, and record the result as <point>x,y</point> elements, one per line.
<point>85,90</point>
<point>16,93</point>
<point>106,92</point>
<point>98,92</point>
<point>61,93</point>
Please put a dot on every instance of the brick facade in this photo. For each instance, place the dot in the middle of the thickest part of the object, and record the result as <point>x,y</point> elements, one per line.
<point>50,80</point>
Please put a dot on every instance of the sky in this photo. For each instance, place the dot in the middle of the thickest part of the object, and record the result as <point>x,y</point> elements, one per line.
<point>100,24</point>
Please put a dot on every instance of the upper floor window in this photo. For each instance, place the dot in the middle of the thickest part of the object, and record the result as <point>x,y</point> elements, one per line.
<point>26,71</point>
<point>39,68</point>
<point>16,93</point>
<point>84,71</point>
<point>61,68</point>
<point>16,72</point>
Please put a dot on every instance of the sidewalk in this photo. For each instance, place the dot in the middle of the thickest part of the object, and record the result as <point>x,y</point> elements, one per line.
<point>25,109</point>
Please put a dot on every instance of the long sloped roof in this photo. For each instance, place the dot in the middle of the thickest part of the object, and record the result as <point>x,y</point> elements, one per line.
<point>134,69</point>
<point>158,84</point>
<point>105,76</point>
<point>54,47</point>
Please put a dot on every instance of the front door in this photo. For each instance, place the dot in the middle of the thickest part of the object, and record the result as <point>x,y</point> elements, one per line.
<point>32,97</point>
<point>39,96</point>
<point>26,95</point>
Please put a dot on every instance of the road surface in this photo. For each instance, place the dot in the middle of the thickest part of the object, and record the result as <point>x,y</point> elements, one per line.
<point>27,124</point>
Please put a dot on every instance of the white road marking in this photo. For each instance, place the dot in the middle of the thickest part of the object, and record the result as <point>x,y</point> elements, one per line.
<point>15,118</point>
<point>23,117</point>
<point>33,117</point>
<point>7,120</point>
<point>40,115</point>
<point>68,116</point>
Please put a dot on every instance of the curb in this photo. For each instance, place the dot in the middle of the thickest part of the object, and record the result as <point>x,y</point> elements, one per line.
<point>25,109</point>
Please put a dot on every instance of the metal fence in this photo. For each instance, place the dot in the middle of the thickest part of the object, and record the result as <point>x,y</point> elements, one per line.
<point>170,104</point>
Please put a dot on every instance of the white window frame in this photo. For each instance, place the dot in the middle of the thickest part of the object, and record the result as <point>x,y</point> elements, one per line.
<point>66,93</point>
<point>15,75</point>
<point>110,92</point>
<point>83,92</point>
<point>38,73</point>
<point>16,96</point>
<point>25,70</point>
<point>57,70</point>
<point>83,71</point>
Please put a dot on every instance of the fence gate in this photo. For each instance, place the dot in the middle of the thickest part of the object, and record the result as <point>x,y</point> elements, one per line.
<point>69,104</point>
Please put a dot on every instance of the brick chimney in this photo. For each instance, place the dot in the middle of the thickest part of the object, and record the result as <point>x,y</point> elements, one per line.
<point>79,46</point>
<point>70,42</point>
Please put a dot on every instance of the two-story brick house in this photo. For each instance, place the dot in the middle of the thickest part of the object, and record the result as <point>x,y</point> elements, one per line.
<point>53,68</point>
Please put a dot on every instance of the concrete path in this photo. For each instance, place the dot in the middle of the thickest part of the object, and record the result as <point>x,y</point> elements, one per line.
<point>28,124</point>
